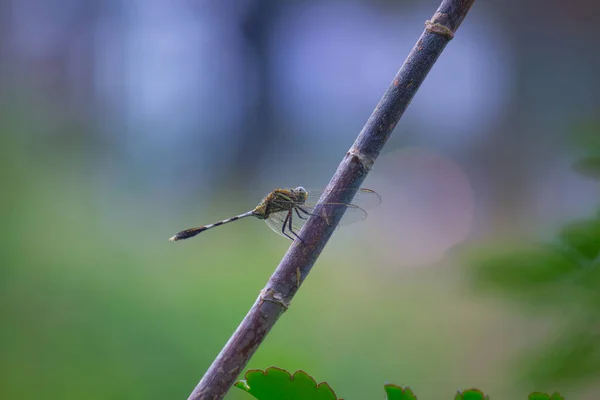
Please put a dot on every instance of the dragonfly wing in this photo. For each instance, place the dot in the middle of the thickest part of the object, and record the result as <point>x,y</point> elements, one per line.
<point>367,199</point>
<point>364,198</point>
<point>355,211</point>
<point>352,214</point>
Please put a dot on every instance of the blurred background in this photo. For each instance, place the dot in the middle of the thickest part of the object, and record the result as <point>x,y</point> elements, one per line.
<point>123,122</point>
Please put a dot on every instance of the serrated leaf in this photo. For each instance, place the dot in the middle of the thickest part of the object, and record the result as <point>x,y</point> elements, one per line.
<point>394,392</point>
<point>583,236</point>
<point>471,394</point>
<point>277,384</point>
<point>544,396</point>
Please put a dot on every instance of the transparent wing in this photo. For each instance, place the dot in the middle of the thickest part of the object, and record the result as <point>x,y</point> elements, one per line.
<point>352,214</point>
<point>355,211</point>
<point>276,221</point>
<point>364,199</point>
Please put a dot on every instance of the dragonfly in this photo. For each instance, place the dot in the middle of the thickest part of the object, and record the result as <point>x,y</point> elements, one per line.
<point>286,210</point>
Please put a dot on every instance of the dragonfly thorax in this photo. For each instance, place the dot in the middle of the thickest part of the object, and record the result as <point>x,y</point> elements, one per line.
<point>280,200</point>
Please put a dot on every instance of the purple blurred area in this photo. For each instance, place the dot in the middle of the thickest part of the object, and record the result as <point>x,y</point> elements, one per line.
<point>195,96</point>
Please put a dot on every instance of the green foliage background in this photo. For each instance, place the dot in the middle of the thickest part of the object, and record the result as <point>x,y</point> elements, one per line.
<point>558,278</point>
<point>95,303</point>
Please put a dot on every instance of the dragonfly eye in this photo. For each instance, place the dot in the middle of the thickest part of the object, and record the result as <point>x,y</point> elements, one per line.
<point>301,193</point>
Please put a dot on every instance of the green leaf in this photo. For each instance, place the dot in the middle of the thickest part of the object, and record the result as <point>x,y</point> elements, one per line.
<point>526,268</point>
<point>574,357</point>
<point>394,392</point>
<point>588,167</point>
<point>583,236</point>
<point>586,136</point>
<point>471,394</point>
<point>277,384</point>
<point>544,396</point>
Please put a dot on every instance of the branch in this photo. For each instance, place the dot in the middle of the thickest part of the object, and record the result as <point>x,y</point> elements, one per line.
<point>275,298</point>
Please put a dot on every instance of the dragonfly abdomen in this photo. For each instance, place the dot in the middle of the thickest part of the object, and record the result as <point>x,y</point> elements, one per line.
<point>188,233</point>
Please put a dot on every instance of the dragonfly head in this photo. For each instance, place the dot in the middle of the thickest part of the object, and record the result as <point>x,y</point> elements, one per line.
<point>301,193</point>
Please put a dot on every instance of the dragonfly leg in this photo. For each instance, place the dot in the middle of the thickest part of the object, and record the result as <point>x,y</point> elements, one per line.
<point>299,215</point>
<point>288,219</point>
<point>304,211</point>
<point>290,227</point>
